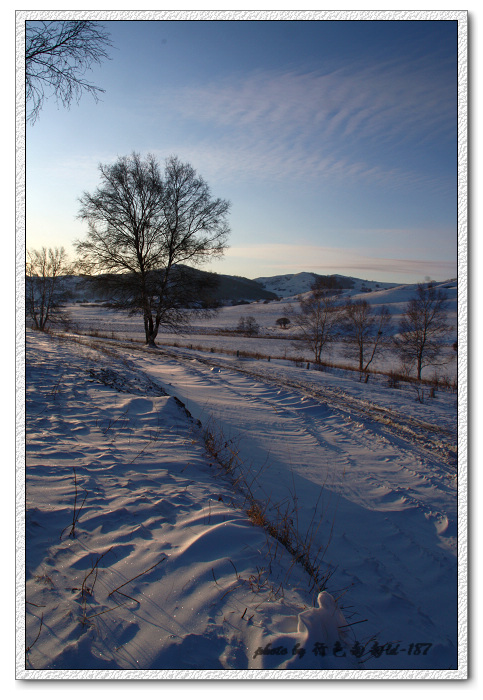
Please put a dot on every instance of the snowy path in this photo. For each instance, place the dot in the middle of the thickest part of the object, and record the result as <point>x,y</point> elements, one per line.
<point>387,501</point>
<point>137,558</point>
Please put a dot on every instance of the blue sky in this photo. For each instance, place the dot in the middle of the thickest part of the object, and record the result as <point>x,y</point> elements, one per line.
<point>336,142</point>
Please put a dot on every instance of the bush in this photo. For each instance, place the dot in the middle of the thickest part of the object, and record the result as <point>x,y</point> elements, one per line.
<point>248,326</point>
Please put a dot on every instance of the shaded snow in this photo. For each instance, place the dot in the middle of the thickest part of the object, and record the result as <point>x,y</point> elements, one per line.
<point>162,569</point>
<point>166,571</point>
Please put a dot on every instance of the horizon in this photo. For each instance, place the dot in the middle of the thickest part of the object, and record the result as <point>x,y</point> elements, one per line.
<point>335,141</point>
<point>308,272</point>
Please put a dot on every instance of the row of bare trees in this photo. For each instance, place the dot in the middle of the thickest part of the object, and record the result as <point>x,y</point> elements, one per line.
<point>321,320</point>
<point>366,332</point>
<point>45,292</point>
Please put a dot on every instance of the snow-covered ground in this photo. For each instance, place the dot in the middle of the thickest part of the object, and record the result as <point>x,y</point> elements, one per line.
<point>144,553</point>
<point>272,340</point>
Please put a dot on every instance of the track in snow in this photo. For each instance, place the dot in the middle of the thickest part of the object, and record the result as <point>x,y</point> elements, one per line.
<point>380,484</point>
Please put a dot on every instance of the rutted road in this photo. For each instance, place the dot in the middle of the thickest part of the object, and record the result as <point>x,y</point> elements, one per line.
<point>434,439</point>
<point>379,481</point>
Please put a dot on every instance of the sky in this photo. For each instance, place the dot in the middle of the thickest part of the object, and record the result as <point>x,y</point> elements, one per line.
<point>334,141</point>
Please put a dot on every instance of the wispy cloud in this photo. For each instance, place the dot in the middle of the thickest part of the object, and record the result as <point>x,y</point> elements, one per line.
<point>349,123</point>
<point>326,259</point>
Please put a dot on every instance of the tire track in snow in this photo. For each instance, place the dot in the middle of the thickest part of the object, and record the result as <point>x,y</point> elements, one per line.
<point>395,479</point>
<point>346,417</point>
<point>408,435</point>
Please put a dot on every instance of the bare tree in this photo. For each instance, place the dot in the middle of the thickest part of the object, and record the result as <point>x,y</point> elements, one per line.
<point>422,328</point>
<point>57,55</point>
<point>44,290</point>
<point>365,331</point>
<point>144,227</point>
<point>317,321</point>
<point>248,325</point>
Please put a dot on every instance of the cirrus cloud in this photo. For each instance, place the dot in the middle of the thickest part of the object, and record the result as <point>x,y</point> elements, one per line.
<point>360,123</point>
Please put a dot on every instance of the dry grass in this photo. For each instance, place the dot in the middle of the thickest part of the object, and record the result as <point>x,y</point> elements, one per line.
<point>77,511</point>
<point>279,520</point>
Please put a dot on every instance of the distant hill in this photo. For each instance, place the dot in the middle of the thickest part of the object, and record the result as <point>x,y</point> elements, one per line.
<point>236,289</point>
<point>291,285</point>
<point>230,289</point>
<point>396,297</point>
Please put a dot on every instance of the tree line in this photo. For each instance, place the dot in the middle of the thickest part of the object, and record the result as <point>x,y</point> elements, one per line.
<point>320,320</point>
<point>417,341</point>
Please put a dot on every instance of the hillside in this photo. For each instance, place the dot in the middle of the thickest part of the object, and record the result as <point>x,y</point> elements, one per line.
<point>229,290</point>
<point>232,290</point>
<point>291,285</point>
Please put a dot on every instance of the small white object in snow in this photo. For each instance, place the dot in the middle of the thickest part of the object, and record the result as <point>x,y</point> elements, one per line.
<point>327,619</point>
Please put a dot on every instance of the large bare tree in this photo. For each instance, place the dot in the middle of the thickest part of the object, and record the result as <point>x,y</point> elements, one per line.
<point>144,228</point>
<point>365,331</point>
<point>44,289</point>
<point>57,56</point>
<point>423,328</point>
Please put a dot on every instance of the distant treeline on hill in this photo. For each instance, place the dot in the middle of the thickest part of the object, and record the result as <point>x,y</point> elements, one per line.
<point>333,282</point>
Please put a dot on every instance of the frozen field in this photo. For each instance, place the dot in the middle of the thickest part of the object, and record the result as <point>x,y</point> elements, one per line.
<point>271,341</point>
<point>149,555</point>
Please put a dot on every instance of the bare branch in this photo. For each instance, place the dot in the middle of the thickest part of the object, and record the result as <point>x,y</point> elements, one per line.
<point>45,294</point>
<point>365,332</point>
<point>318,320</point>
<point>57,56</point>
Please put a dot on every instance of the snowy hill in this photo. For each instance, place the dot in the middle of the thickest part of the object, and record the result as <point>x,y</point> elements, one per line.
<point>235,290</point>
<point>291,285</point>
<point>397,296</point>
<point>288,285</point>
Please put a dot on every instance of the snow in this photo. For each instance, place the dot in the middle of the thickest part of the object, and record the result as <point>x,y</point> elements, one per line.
<point>218,332</point>
<point>300,283</point>
<point>96,317</point>
<point>149,554</point>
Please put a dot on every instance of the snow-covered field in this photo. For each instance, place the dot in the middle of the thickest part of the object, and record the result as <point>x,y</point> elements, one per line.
<point>144,554</point>
<point>272,340</point>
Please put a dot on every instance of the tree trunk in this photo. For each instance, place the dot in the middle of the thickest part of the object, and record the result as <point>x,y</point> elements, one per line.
<point>150,330</point>
<point>420,366</point>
